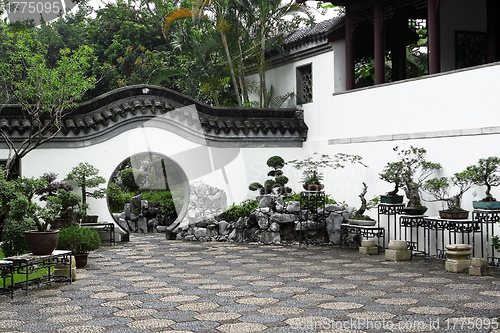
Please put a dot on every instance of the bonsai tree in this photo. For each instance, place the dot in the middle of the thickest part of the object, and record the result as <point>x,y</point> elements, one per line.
<point>278,183</point>
<point>440,189</point>
<point>310,166</point>
<point>78,239</point>
<point>365,205</point>
<point>486,173</point>
<point>410,172</point>
<point>392,174</point>
<point>86,176</point>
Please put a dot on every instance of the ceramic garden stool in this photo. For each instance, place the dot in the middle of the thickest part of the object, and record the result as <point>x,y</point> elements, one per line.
<point>457,261</point>
<point>479,267</point>
<point>398,251</point>
<point>63,270</point>
<point>368,247</point>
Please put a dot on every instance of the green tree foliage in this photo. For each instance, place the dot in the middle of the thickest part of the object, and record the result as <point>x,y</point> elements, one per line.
<point>86,176</point>
<point>47,94</point>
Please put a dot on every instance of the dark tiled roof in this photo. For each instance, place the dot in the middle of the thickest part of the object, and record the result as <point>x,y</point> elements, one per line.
<point>171,110</point>
<point>318,30</point>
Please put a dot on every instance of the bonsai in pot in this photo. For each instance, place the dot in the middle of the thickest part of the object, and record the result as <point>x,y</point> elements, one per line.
<point>276,185</point>
<point>440,189</point>
<point>22,206</point>
<point>392,174</point>
<point>60,192</point>
<point>413,170</point>
<point>86,177</point>
<point>486,173</point>
<point>310,167</point>
<point>359,217</point>
<point>79,241</point>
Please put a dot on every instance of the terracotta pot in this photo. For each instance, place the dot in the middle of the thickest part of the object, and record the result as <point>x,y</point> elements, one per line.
<point>454,214</point>
<point>81,259</point>
<point>313,187</point>
<point>42,243</point>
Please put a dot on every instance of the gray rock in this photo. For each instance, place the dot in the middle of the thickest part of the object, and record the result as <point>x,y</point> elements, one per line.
<point>266,200</point>
<point>283,218</point>
<point>269,237</point>
<point>275,227</point>
<point>333,226</point>
<point>223,228</point>
<point>200,232</point>
<point>293,207</point>
<point>262,220</point>
<point>142,225</point>
<point>161,228</point>
<point>135,203</point>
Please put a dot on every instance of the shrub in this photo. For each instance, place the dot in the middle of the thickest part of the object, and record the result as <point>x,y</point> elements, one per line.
<point>78,239</point>
<point>233,213</point>
<point>14,242</point>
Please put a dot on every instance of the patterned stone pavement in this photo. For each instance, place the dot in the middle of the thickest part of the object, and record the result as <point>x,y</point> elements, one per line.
<point>156,285</point>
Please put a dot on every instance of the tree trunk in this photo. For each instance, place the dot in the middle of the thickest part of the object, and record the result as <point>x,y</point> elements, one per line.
<point>231,69</point>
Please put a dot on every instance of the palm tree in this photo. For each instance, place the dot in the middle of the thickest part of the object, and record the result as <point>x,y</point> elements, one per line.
<point>265,18</point>
<point>220,10</point>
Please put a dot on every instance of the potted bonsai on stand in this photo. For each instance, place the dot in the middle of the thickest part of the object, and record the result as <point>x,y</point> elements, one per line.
<point>44,240</point>
<point>411,171</point>
<point>86,176</point>
<point>359,217</point>
<point>79,241</point>
<point>486,173</point>
<point>392,174</point>
<point>440,189</point>
<point>312,177</point>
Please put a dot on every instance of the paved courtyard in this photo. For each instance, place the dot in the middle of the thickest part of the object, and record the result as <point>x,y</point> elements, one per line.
<point>156,285</point>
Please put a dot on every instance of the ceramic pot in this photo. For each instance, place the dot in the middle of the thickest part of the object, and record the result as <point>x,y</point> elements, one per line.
<point>42,242</point>
<point>391,198</point>
<point>454,214</point>
<point>313,187</point>
<point>493,205</point>
<point>81,259</point>
<point>415,210</point>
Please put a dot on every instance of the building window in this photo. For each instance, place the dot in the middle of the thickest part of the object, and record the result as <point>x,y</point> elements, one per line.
<point>304,84</point>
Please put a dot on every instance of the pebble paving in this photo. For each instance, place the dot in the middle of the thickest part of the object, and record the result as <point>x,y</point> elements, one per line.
<point>152,284</point>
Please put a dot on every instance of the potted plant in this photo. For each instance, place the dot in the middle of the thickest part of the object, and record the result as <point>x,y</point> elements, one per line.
<point>359,217</point>
<point>79,241</point>
<point>440,189</point>
<point>276,185</point>
<point>414,169</point>
<point>392,174</point>
<point>310,167</point>
<point>61,193</point>
<point>486,173</point>
<point>86,176</point>
<point>43,240</point>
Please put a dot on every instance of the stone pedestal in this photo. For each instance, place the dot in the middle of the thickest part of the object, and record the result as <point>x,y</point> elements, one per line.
<point>458,254</point>
<point>368,247</point>
<point>398,251</point>
<point>479,267</point>
<point>63,270</point>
